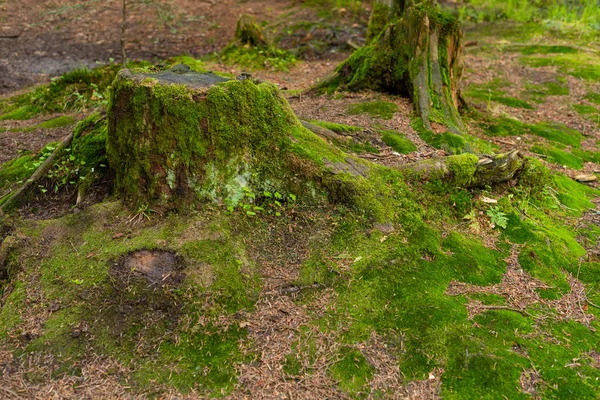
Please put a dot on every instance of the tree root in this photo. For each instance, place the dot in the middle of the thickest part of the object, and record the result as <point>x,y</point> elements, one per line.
<point>323,132</point>
<point>469,170</point>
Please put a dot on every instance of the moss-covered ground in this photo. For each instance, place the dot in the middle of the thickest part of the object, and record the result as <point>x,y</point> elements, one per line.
<point>362,285</point>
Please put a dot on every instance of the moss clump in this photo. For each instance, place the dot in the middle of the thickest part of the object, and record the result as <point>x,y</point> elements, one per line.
<point>593,97</point>
<point>353,371</point>
<point>20,113</point>
<point>492,91</point>
<point>337,128</point>
<point>463,168</point>
<point>377,109</point>
<point>554,132</point>
<point>251,49</point>
<point>560,157</point>
<point>256,58</point>
<point>398,142</point>
<point>544,49</point>
<point>10,313</point>
<point>580,65</point>
<point>585,109</point>
<point>77,90</point>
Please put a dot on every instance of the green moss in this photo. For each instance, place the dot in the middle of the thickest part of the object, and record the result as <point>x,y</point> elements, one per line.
<point>398,142</point>
<point>353,371</point>
<point>593,97</point>
<point>234,280</point>
<point>58,122</point>
<point>78,90</point>
<point>552,131</point>
<point>377,109</point>
<point>573,194</point>
<point>544,49</point>
<point>560,157</point>
<point>450,142</point>
<point>21,113</point>
<point>258,58</point>
<point>580,65</point>
<point>492,91</point>
<point>80,273</point>
<point>463,168</point>
<point>557,133</point>
<point>10,313</point>
<point>204,359</point>
<point>337,128</point>
<point>584,109</point>
<point>556,89</point>
<point>240,118</point>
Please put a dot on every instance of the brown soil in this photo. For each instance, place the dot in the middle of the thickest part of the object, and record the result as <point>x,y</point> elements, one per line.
<point>14,142</point>
<point>156,267</point>
<point>35,45</point>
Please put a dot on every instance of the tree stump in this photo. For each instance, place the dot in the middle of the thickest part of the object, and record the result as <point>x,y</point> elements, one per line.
<point>413,49</point>
<point>179,137</point>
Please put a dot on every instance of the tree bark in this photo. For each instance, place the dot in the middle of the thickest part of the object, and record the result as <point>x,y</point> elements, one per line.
<point>413,49</point>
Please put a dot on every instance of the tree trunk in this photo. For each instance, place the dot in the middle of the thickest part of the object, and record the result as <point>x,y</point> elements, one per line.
<point>414,49</point>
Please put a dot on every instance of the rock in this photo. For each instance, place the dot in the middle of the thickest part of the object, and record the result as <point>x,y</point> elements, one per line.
<point>586,178</point>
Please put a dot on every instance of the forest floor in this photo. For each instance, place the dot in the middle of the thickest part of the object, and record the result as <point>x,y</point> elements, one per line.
<point>316,326</point>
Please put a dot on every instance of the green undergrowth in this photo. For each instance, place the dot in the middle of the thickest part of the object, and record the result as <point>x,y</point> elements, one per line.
<point>392,247</point>
<point>584,66</point>
<point>492,91</point>
<point>259,58</point>
<point>543,49</point>
<point>395,285</point>
<point>337,128</point>
<point>92,287</point>
<point>14,173</point>
<point>76,91</point>
<point>58,122</point>
<point>397,141</point>
<point>376,109</point>
<point>451,142</point>
<point>579,15</point>
<point>563,144</point>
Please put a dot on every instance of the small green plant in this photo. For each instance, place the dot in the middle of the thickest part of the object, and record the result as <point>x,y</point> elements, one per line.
<point>473,223</point>
<point>272,203</point>
<point>497,217</point>
<point>143,213</point>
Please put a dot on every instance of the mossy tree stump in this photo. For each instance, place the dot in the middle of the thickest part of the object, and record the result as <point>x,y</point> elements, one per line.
<point>179,137</point>
<point>413,49</point>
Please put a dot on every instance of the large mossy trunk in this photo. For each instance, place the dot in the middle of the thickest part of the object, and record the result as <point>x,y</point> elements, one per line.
<point>414,49</point>
<point>177,139</point>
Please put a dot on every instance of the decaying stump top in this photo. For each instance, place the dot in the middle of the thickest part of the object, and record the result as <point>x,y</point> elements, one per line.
<point>179,74</point>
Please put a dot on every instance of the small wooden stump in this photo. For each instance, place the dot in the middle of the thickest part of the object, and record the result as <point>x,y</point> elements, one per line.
<point>179,137</point>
